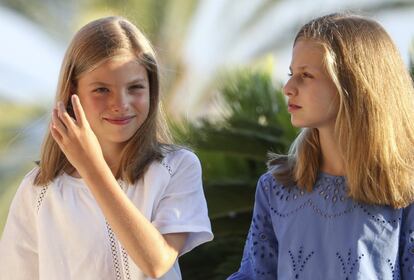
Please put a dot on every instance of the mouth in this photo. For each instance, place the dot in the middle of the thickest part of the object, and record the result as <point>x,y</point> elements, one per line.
<point>293,107</point>
<point>119,120</point>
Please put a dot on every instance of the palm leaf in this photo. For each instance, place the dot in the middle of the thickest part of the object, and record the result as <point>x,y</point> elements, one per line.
<point>233,151</point>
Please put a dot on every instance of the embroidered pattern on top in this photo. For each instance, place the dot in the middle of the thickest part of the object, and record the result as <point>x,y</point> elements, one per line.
<point>166,165</point>
<point>394,272</point>
<point>407,259</point>
<point>288,193</point>
<point>347,265</point>
<point>282,192</point>
<point>315,208</point>
<point>261,246</point>
<point>126,263</point>
<point>41,197</point>
<point>378,220</point>
<point>299,261</point>
<point>335,192</point>
<point>114,252</point>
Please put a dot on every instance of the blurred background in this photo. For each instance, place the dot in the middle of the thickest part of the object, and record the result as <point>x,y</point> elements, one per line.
<point>223,64</point>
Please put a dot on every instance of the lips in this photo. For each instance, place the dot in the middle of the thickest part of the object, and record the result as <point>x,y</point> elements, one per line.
<point>293,107</point>
<point>119,120</point>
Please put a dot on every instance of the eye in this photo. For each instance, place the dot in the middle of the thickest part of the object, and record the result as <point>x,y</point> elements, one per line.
<point>136,87</point>
<point>290,74</point>
<point>306,75</point>
<point>101,90</point>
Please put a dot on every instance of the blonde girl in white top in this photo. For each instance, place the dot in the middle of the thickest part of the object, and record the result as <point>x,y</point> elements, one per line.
<point>112,198</point>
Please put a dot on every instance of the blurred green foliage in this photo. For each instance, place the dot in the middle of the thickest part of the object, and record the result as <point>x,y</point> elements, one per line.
<point>151,16</point>
<point>233,151</point>
<point>13,117</point>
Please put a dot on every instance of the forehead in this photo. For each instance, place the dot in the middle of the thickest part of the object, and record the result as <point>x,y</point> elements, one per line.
<point>118,68</point>
<point>308,53</point>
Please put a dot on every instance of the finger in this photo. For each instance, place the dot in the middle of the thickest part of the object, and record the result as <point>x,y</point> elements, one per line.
<point>56,135</point>
<point>57,124</point>
<point>64,116</point>
<point>78,110</point>
<point>58,138</point>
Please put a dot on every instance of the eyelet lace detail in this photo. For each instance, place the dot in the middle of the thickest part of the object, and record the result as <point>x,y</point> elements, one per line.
<point>347,264</point>
<point>126,263</point>
<point>41,197</point>
<point>299,261</point>
<point>114,251</point>
<point>169,169</point>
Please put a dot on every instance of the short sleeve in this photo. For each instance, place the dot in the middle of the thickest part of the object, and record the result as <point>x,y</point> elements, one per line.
<point>183,207</point>
<point>407,244</point>
<point>18,245</point>
<point>260,253</point>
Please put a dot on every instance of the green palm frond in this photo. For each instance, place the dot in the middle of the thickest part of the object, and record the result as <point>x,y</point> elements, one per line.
<point>233,152</point>
<point>229,198</point>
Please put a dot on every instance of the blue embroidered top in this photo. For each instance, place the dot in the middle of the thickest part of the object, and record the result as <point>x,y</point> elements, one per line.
<point>325,235</point>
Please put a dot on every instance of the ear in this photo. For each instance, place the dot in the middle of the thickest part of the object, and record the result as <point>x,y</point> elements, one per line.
<point>72,91</point>
<point>69,108</point>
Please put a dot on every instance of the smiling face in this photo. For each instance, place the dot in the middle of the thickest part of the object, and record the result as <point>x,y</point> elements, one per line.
<point>116,99</point>
<point>312,95</point>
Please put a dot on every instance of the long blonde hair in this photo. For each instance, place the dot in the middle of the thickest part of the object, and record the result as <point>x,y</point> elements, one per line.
<point>374,123</point>
<point>94,43</point>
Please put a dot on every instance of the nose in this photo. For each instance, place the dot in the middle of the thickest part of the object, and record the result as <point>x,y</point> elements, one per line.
<point>290,89</point>
<point>119,101</point>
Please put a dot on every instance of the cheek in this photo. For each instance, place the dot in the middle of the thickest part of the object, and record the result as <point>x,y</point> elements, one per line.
<point>142,102</point>
<point>331,106</point>
<point>91,116</point>
<point>327,96</point>
<point>92,108</point>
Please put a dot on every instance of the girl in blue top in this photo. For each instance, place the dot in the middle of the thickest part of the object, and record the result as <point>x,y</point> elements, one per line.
<point>339,205</point>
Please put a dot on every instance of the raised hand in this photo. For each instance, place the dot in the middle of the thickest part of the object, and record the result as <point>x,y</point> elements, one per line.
<point>75,136</point>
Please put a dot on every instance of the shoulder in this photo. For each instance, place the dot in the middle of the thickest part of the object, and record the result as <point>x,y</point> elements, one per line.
<point>180,158</point>
<point>180,154</point>
<point>278,193</point>
<point>267,181</point>
<point>31,175</point>
<point>408,211</point>
<point>265,185</point>
<point>27,183</point>
<point>28,194</point>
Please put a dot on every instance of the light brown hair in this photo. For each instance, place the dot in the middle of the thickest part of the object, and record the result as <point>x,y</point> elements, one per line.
<point>374,123</point>
<point>96,42</point>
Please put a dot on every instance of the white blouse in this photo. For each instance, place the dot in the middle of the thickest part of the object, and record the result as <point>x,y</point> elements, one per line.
<point>59,232</point>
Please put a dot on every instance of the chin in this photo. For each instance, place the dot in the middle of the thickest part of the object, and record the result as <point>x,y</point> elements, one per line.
<point>297,124</point>
<point>119,139</point>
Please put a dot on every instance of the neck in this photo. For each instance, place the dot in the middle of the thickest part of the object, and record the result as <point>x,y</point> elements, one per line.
<point>112,156</point>
<point>332,160</point>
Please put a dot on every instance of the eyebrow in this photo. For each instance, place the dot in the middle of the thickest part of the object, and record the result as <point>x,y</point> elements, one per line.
<point>99,83</point>
<point>303,67</point>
